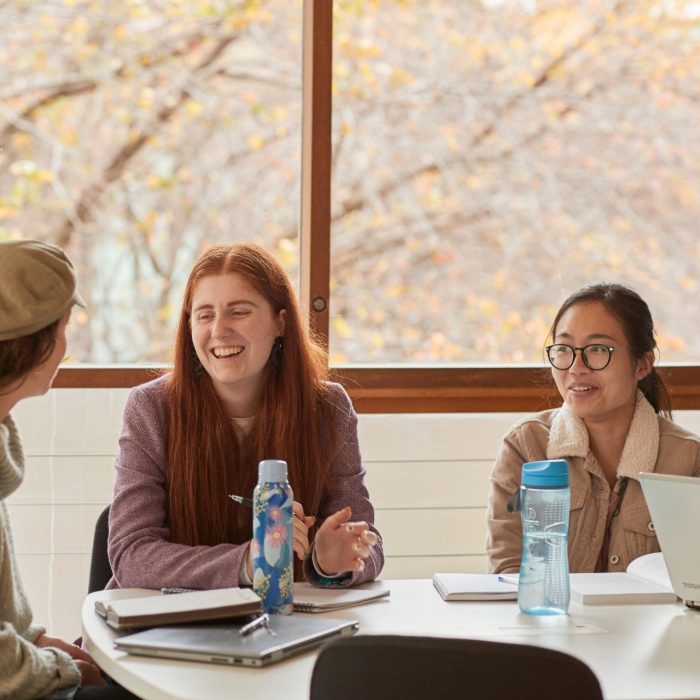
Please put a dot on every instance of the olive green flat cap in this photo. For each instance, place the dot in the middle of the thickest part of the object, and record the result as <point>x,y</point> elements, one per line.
<point>37,286</point>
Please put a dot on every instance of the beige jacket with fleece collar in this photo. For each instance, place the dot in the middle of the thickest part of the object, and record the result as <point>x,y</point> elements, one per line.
<point>654,444</point>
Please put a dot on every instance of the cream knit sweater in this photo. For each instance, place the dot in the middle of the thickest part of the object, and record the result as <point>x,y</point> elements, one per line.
<point>26,671</point>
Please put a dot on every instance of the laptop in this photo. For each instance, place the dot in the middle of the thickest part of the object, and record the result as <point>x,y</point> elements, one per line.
<point>221,643</point>
<point>674,506</point>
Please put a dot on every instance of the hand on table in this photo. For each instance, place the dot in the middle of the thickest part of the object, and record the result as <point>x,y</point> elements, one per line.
<point>342,545</point>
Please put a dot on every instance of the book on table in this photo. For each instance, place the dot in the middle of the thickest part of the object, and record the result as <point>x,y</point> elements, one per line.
<point>475,587</point>
<point>308,598</point>
<point>645,581</point>
<point>193,606</point>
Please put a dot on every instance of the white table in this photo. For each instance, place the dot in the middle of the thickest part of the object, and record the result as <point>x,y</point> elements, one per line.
<point>637,651</point>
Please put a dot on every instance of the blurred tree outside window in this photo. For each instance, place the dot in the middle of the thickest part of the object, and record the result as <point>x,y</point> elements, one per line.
<point>489,158</point>
<point>136,134</point>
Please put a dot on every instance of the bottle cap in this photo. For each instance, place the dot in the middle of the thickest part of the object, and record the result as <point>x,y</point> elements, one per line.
<point>272,470</point>
<point>550,472</point>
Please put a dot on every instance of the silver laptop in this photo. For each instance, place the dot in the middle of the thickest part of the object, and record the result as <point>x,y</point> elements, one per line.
<point>674,506</point>
<point>222,643</point>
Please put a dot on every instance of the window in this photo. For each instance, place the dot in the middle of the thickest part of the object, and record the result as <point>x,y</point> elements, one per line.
<point>492,157</point>
<point>487,159</point>
<point>135,134</point>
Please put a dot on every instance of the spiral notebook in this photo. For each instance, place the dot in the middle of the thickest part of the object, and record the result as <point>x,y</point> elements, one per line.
<point>310,599</point>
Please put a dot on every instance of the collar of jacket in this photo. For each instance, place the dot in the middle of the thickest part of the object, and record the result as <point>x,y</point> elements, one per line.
<point>568,437</point>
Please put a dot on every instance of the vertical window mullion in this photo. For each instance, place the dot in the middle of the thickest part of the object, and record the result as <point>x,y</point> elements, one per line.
<point>316,165</point>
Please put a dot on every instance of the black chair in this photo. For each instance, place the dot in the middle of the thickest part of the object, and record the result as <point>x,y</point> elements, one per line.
<point>100,570</point>
<point>381,667</point>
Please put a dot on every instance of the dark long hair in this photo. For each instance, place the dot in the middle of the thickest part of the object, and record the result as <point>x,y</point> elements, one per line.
<point>634,315</point>
<point>206,460</point>
<point>19,356</point>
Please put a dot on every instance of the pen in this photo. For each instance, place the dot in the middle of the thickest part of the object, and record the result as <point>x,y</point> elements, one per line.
<point>242,500</point>
<point>168,591</point>
<point>248,502</point>
<point>258,622</point>
<point>513,578</point>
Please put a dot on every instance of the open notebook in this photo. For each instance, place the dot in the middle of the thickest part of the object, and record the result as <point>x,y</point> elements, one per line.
<point>645,581</point>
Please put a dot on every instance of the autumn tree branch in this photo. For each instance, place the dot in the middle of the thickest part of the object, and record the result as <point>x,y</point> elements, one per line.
<point>83,210</point>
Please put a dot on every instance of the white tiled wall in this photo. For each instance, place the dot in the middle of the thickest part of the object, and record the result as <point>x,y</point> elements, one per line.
<point>70,439</point>
<point>427,476</point>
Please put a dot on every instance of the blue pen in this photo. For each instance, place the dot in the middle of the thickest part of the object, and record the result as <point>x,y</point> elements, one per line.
<point>505,578</point>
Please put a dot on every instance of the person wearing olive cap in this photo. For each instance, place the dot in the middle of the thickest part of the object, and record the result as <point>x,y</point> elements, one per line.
<point>37,294</point>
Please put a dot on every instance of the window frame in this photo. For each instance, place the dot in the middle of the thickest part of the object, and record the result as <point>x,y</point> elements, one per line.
<point>374,388</point>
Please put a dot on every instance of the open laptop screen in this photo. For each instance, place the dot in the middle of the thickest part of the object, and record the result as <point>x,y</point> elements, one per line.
<point>674,506</point>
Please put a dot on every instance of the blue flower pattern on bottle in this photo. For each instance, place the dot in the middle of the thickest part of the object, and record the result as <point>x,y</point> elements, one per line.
<point>273,565</point>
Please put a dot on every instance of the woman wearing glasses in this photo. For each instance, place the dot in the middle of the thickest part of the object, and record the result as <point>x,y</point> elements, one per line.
<point>614,423</point>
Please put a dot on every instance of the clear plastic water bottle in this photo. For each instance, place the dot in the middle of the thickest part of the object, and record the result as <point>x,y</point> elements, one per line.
<point>273,551</point>
<point>543,588</point>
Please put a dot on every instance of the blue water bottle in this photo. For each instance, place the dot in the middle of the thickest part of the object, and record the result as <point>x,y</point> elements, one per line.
<point>273,560</point>
<point>543,588</point>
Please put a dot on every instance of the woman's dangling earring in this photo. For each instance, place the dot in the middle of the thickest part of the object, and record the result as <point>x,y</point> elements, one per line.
<point>277,354</point>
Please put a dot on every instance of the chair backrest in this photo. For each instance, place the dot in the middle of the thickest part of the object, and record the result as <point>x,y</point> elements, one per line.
<point>100,570</point>
<point>377,667</point>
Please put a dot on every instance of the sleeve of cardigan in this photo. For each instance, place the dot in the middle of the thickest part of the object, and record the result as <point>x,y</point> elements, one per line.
<point>347,488</point>
<point>140,551</point>
<point>28,671</point>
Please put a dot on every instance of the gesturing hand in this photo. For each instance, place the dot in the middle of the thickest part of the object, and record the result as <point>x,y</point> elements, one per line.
<point>342,545</point>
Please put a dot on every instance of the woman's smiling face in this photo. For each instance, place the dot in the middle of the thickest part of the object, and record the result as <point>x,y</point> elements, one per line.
<point>595,395</point>
<point>233,331</point>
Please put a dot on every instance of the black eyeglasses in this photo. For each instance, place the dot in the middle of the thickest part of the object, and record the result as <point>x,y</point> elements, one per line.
<point>595,356</point>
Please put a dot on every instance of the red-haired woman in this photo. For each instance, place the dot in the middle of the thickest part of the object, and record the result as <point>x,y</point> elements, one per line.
<point>248,383</point>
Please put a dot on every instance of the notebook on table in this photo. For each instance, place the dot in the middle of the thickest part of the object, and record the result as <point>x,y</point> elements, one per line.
<point>286,636</point>
<point>674,506</point>
<point>476,586</point>
<point>631,587</point>
<point>311,599</point>
<point>193,606</point>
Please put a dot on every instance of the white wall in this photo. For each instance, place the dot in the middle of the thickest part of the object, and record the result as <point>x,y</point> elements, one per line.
<point>427,475</point>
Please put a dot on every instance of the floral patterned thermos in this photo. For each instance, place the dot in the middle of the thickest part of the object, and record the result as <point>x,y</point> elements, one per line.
<point>273,553</point>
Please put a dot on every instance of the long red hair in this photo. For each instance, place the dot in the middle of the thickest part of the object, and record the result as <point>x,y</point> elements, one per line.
<point>206,460</point>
